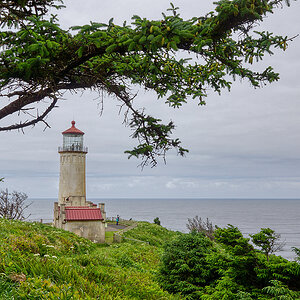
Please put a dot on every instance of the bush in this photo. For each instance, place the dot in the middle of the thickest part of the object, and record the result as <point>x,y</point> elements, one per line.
<point>268,240</point>
<point>280,291</point>
<point>185,268</point>
<point>156,221</point>
<point>297,252</point>
<point>227,268</point>
<point>242,259</point>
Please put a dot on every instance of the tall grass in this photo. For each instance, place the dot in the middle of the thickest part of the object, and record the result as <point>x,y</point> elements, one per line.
<point>153,234</point>
<point>41,262</point>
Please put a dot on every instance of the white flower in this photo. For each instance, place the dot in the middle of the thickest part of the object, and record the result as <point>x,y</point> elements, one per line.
<point>46,255</point>
<point>54,256</point>
<point>36,254</point>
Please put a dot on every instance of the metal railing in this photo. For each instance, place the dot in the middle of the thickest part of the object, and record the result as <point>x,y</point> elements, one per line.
<point>74,148</point>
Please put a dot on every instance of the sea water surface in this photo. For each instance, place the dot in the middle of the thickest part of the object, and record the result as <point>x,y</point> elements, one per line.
<point>249,215</point>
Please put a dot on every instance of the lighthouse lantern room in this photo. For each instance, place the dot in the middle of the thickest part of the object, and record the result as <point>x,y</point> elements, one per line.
<point>73,140</point>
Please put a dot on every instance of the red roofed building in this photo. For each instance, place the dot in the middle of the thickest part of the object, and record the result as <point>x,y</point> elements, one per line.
<point>72,212</point>
<point>79,213</point>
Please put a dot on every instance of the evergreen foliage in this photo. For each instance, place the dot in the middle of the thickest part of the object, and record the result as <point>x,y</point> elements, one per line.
<point>227,268</point>
<point>185,268</point>
<point>297,251</point>
<point>268,240</point>
<point>156,221</point>
<point>40,61</point>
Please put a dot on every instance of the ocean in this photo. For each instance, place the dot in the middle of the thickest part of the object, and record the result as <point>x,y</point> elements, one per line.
<point>249,215</point>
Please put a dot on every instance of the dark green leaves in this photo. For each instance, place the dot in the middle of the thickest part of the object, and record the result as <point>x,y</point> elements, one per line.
<point>154,138</point>
<point>185,268</point>
<point>42,60</point>
<point>268,240</point>
<point>227,268</point>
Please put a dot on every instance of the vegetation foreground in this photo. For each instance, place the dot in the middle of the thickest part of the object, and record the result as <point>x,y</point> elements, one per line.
<point>41,262</point>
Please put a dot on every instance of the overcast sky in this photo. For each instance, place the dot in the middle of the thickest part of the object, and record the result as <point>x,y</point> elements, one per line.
<point>245,143</point>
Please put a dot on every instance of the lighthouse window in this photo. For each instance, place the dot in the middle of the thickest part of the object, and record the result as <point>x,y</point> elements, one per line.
<point>73,142</point>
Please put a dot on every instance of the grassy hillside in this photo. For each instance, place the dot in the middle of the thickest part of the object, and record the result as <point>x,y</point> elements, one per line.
<point>41,262</point>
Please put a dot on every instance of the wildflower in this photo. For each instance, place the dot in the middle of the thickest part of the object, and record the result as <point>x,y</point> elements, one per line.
<point>46,255</point>
<point>36,254</point>
<point>50,246</point>
<point>54,256</point>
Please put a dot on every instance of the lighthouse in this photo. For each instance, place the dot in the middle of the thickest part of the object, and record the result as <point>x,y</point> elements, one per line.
<point>73,212</point>
<point>72,184</point>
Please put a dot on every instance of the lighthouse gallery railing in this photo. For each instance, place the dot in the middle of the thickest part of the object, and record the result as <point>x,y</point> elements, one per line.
<point>73,148</point>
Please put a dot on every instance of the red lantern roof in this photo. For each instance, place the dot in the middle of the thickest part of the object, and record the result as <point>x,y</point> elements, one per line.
<point>81,213</point>
<point>73,129</point>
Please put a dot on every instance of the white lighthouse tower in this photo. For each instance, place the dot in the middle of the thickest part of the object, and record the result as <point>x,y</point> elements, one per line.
<point>72,186</point>
<point>73,212</point>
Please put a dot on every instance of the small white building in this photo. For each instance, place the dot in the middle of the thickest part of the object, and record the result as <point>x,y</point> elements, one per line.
<point>72,212</point>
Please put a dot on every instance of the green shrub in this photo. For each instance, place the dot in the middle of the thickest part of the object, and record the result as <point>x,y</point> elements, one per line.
<point>280,291</point>
<point>268,240</point>
<point>156,221</point>
<point>228,268</point>
<point>242,259</point>
<point>185,268</point>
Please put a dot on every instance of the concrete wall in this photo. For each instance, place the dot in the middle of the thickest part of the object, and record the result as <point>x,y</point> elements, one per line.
<point>56,215</point>
<point>72,175</point>
<point>92,230</point>
<point>102,208</point>
<point>76,201</point>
